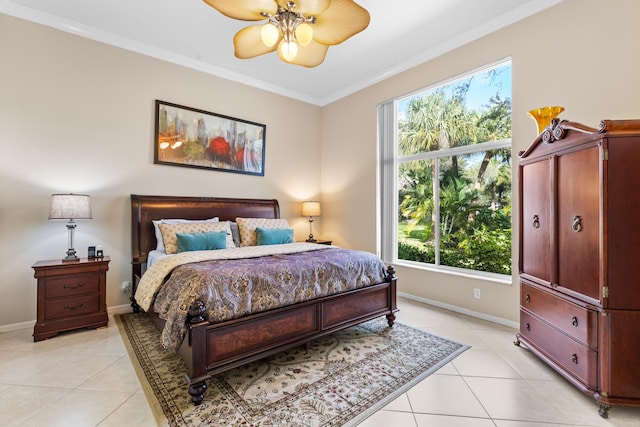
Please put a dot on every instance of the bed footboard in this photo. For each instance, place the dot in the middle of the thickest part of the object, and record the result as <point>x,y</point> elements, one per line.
<point>211,349</point>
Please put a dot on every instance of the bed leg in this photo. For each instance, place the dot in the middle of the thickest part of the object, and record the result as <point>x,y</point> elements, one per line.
<point>391,318</point>
<point>137,273</point>
<point>134,305</point>
<point>196,390</point>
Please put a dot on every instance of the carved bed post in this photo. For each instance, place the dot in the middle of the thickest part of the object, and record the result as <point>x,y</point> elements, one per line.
<point>391,276</point>
<point>197,336</point>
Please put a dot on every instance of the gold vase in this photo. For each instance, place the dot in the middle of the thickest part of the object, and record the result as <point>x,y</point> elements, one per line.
<point>543,116</point>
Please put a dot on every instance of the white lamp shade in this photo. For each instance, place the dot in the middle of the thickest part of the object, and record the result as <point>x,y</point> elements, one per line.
<point>310,208</point>
<point>70,206</point>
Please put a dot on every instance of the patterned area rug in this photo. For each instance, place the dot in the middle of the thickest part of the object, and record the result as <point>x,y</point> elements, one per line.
<point>339,381</point>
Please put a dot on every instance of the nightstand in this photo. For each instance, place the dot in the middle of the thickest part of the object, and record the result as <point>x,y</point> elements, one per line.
<point>322,242</point>
<point>71,295</point>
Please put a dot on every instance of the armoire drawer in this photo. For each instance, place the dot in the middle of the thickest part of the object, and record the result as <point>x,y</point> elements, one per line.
<point>579,322</point>
<point>572,356</point>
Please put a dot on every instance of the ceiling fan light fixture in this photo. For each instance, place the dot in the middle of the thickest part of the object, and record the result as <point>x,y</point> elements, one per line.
<point>293,24</point>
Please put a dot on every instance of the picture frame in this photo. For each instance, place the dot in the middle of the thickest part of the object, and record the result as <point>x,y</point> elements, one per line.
<point>194,138</point>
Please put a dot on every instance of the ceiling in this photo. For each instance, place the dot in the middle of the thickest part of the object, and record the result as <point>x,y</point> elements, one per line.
<point>402,34</point>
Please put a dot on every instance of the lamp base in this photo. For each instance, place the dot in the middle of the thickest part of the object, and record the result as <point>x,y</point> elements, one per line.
<point>311,240</point>
<point>71,256</point>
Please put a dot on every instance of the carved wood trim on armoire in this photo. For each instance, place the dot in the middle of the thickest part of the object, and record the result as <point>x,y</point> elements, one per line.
<point>579,244</point>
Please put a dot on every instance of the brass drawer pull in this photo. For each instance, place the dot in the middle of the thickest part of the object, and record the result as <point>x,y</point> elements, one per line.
<point>527,326</point>
<point>527,298</point>
<point>574,321</point>
<point>66,307</point>
<point>574,358</point>
<point>536,221</point>
<point>74,287</point>
<point>577,224</point>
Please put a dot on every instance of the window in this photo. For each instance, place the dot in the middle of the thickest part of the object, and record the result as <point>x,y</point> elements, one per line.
<point>445,174</point>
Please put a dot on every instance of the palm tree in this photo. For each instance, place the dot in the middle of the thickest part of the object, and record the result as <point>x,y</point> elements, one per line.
<point>456,203</point>
<point>433,122</point>
<point>416,194</point>
<point>493,124</point>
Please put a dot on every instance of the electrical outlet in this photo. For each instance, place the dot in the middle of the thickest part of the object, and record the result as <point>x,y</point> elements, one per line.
<point>126,287</point>
<point>476,293</point>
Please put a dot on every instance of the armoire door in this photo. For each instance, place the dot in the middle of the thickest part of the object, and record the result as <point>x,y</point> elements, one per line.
<point>535,257</point>
<point>578,217</point>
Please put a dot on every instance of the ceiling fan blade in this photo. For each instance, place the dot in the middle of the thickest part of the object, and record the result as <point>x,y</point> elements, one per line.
<point>343,19</point>
<point>248,43</point>
<point>307,7</point>
<point>244,10</point>
<point>309,56</point>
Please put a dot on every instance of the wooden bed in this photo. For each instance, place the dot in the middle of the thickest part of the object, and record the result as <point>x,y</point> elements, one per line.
<point>209,349</point>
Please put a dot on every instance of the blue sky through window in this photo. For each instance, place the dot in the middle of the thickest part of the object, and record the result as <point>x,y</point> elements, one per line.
<point>484,85</point>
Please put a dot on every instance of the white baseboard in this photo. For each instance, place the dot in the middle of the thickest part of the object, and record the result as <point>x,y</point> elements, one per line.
<point>120,309</point>
<point>16,326</point>
<point>117,309</point>
<point>456,309</point>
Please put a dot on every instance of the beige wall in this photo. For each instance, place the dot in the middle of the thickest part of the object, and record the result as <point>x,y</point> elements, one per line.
<point>77,115</point>
<point>581,54</point>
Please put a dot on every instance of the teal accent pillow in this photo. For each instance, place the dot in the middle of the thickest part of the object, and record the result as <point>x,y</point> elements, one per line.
<point>201,241</point>
<point>274,236</point>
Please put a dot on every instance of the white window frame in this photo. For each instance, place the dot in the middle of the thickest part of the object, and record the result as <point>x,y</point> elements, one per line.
<point>387,174</point>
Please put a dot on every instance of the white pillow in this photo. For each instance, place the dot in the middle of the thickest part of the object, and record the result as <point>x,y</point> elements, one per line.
<point>156,222</point>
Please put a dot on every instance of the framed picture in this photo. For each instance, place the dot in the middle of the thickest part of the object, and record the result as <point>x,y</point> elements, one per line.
<point>194,138</point>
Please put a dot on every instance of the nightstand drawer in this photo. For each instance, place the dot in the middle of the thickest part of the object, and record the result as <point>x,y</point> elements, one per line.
<point>66,307</point>
<point>78,284</point>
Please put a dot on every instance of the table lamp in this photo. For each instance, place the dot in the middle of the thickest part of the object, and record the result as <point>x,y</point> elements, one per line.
<point>70,206</point>
<point>311,209</point>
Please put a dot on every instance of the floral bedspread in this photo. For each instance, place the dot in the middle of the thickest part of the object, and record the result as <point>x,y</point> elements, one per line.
<point>240,281</point>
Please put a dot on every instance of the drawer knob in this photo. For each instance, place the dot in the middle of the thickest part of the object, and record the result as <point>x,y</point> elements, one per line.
<point>66,307</point>
<point>527,298</point>
<point>536,221</point>
<point>527,326</point>
<point>574,358</point>
<point>574,321</point>
<point>74,287</point>
<point>577,224</point>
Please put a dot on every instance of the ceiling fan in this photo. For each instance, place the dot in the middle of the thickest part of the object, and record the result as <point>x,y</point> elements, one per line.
<point>301,31</point>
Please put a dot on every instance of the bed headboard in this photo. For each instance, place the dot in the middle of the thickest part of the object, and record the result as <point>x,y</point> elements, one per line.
<point>144,209</point>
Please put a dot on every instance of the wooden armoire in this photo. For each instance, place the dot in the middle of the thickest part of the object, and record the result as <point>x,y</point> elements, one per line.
<point>580,256</point>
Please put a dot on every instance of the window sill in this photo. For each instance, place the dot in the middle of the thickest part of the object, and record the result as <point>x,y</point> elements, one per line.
<point>476,275</point>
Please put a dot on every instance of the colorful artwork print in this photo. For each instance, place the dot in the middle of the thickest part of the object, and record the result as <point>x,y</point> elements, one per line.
<point>194,138</point>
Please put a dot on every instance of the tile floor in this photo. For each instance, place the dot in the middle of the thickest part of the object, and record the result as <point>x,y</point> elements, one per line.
<point>84,378</point>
